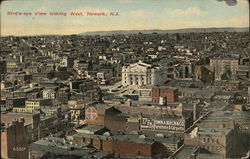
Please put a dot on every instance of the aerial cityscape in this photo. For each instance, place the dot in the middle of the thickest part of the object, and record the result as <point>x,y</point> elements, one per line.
<point>124,93</point>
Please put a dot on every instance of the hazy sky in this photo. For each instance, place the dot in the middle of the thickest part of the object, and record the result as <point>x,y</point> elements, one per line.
<point>133,14</point>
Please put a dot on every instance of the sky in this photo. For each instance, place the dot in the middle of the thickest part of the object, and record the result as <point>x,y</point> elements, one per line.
<point>133,15</point>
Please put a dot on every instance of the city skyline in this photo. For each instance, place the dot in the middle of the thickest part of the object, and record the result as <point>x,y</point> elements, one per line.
<point>133,15</point>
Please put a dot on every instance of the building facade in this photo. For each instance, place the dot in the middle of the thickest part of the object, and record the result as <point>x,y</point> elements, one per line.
<point>141,73</point>
<point>222,66</point>
<point>49,93</point>
<point>13,140</point>
<point>171,94</point>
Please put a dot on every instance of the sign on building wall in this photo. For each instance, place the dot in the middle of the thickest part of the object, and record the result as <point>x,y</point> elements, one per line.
<point>177,124</point>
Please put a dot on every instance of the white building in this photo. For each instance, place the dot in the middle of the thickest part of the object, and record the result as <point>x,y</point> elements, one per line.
<point>143,74</point>
<point>49,93</point>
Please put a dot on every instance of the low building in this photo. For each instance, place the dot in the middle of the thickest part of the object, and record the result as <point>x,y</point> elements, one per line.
<point>52,147</point>
<point>119,144</point>
<point>145,93</point>
<point>36,103</point>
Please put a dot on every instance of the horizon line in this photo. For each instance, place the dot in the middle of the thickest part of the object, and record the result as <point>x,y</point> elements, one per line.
<point>246,27</point>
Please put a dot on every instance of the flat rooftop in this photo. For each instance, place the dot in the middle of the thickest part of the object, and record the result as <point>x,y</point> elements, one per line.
<point>214,131</point>
<point>185,152</point>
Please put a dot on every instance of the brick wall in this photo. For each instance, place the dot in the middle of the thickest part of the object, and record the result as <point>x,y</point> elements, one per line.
<point>131,149</point>
<point>107,146</point>
<point>15,142</point>
<point>115,123</point>
<point>97,144</point>
<point>171,94</point>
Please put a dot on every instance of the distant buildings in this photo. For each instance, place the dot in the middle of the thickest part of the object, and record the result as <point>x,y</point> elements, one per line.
<point>93,97</point>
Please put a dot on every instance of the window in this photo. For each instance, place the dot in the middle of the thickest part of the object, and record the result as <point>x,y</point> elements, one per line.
<point>203,140</point>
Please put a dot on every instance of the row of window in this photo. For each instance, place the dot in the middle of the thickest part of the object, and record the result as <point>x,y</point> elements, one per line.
<point>136,83</point>
<point>213,148</point>
<point>209,140</point>
<point>32,103</point>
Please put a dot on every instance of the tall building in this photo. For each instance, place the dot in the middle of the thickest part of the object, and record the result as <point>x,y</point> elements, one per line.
<point>224,68</point>
<point>32,121</point>
<point>13,140</point>
<point>141,73</point>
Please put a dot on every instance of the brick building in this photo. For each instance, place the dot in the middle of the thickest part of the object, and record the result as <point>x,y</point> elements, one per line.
<point>13,140</point>
<point>215,140</point>
<point>32,121</point>
<point>123,145</point>
<point>139,146</point>
<point>107,116</point>
<point>95,114</point>
<point>171,94</point>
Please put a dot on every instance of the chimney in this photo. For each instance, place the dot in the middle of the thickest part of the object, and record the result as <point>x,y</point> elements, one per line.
<point>129,102</point>
<point>21,120</point>
<point>162,101</point>
<point>195,112</point>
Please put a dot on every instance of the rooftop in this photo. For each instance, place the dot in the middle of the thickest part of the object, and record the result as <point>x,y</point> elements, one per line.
<point>60,146</point>
<point>93,128</point>
<point>214,131</point>
<point>224,116</point>
<point>185,152</point>
<point>100,106</point>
